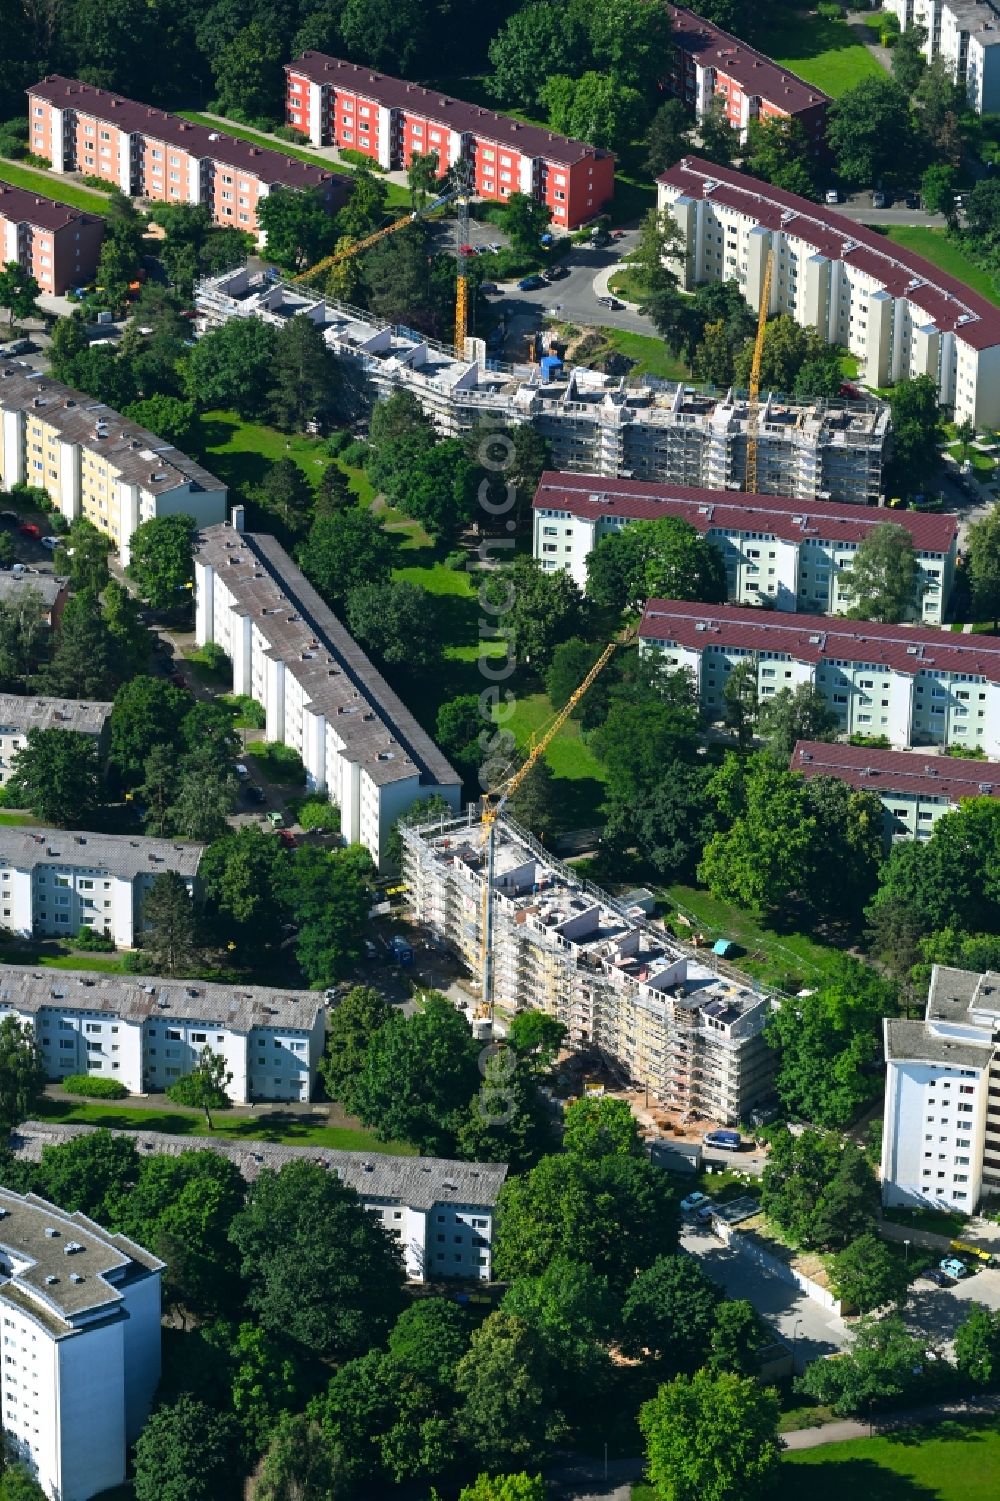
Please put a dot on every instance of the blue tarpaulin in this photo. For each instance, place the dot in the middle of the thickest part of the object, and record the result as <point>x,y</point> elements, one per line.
<point>722,947</point>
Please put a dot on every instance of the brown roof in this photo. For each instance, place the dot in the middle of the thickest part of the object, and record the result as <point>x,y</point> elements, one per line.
<point>592,496</point>
<point>898,771</point>
<point>441,109</point>
<point>130,115</point>
<point>817,638</point>
<point>19,206</point>
<point>948,302</point>
<point>756,74</point>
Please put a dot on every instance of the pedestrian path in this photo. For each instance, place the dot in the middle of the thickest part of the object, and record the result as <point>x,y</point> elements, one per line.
<point>848,1428</point>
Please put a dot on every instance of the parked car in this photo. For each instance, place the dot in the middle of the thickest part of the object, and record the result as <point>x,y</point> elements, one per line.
<point>488,288</point>
<point>275,819</point>
<point>371,951</point>
<point>466,249</point>
<point>9,518</point>
<point>556,273</point>
<point>17,346</point>
<point>287,838</point>
<point>878,199</point>
<point>51,543</point>
<point>494,247</point>
<point>954,1268</point>
<point>240,769</point>
<point>29,529</point>
<point>728,1141</point>
<point>530,284</point>
<point>940,1279</point>
<point>692,1202</point>
<point>912,200</point>
<point>831,195</point>
<point>251,793</point>
<point>612,302</point>
<point>705,1213</point>
<point>178,679</point>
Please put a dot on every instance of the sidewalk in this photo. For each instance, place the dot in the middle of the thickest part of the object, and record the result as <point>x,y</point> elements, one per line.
<point>330,153</point>
<point>848,1428</point>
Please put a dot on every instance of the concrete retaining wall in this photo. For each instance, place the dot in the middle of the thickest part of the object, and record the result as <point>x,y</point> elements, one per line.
<point>745,1243</point>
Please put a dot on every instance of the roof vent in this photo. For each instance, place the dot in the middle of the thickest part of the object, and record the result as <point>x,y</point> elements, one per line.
<point>75,1277</point>
<point>51,1233</point>
<point>50,1279</point>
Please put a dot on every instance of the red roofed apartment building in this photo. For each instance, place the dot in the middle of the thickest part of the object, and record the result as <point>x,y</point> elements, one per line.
<point>150,154</point>
<point>778,551</point>
<point>915,791</point>
<point>899,314</point>
<point>914,685</point>
<point>337,103</point>
<point>59,246</point>
<point>710,64</point>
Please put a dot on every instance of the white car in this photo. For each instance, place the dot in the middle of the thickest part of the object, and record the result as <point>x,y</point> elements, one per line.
<point>51,543</point>
<point>692,1202</point>
<point>240,770</point>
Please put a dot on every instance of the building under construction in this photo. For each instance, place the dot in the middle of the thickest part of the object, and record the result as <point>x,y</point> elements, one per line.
<point>661,431</point>
<point>662,1019</point>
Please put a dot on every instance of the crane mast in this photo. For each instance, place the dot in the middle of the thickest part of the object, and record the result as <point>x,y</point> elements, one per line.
<point>753,406</point>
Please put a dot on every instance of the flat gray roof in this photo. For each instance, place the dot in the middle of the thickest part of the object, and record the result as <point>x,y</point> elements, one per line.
<point>20,714</point>
<point>337,678</point>
<point>955,993</point>
<point>237,1008</point>
<point>124,855</point>
<point>915,1040</point>
<point>420,1182</point>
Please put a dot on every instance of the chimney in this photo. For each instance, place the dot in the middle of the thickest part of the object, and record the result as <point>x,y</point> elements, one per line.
<point>239,518</point>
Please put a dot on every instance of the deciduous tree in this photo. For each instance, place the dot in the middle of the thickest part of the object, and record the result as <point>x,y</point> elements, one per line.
<point>977,1345</point>
<point>883,580</point>
<point>162,558</point>
<point>670,1312</point>
<point>867,1275</point>
<point>22,1074</point>
<point>871,133</point>
<point>398,622</point>
<point>19,292</point>
<point>354,1023</point>
<point>982,556</point>
<point>147,712</point>
<point>298,226</point>
<point>56,776</point>
<point>711,1438</point>
<point>793,714</point>
<point>883,1363</point>
<point>503,1386</point>
<point>231,367</point>
<point>168,925</point>
<point>345,551</point>
<point>666,559</point>
<point>187,1452</point>
<point>594,1128</point>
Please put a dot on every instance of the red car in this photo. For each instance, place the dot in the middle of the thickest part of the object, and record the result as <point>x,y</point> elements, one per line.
<point>178,680</point>
<point>466,249</point>
<point>287,838</point>
<point>29,529</point>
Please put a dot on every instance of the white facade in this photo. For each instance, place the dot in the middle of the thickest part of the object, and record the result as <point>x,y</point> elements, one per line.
<point>321,694</point>
<point>147,1033</point>
<point>55,881</point>
<point>907,683</point>
<point>80,1324</point>
<point>965,33</point>
<point>941,1132</point>
<point>897,313</point>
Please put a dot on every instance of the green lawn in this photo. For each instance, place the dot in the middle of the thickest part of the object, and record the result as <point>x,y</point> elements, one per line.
<point>15,820</point>
<point>940,1221</point>
<point>935,246</point>
<point>788,960</point>
<point>578,790</point>
<point>982,463</point>
<point>105,964</point>
<point>289,1130</point>
<point>651,354</point>
<point>823,52</point>
<point>239,452</point>
<point>951,1462</point>
<point>53,185</point>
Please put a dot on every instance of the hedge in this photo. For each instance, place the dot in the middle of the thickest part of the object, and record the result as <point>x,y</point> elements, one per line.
<point>95,1087</point>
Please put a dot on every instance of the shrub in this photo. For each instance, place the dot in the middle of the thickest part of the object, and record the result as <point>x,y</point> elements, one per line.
<point>873,742</point>
<point>278,762</point>
<point>93,1087</point>
<point>293,134</point>
<point>134,962</point>
<point>247,712</point>
<point>355,454</point>
<point>317,812</point>
<point>456,560</point>
<point>359,159</point>
<point>14,138</point>
<point>215,658</point>
<point>98,184</point>
<point>94,941</point>
<point>337,442</point>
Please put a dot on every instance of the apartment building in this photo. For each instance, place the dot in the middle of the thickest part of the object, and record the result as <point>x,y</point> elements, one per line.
<point>710,66</point>
<point>56,881</point>
<point>337,103</point>
<point>148,1032</point>
<point>20,714</point>
<point>80,1310</point>
<point>48,590</point>
<point>322,696</point>
<point>59,246</point>
<point>776,552</point>
<point>662,1019</point>
<point>93,462</point>
<point>900,315</point>
<point>661,431</point>
<point>440,1210</point>
<point>941,1131</point>
<point>965,34</point>
<point>150,154</point>
<point>916,686</point>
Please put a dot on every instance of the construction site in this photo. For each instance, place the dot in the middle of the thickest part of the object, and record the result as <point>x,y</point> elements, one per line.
<point>682,1029</point>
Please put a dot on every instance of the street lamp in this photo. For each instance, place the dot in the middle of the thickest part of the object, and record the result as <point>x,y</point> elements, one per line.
<point>906,1253</point>
<point>795,1335</point>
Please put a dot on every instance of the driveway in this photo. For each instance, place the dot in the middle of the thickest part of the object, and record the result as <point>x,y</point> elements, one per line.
<point>937,1311</point>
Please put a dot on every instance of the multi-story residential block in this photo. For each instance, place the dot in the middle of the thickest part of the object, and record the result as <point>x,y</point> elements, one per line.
<point>337,103</point>
<point>148,1032</point>
<point>80,1310</point>
<point>59,246</point>
<point>654,430</point>
<point>55,881</point>
<point>93,462</point>
<point>713,68</point>
<point>20,714</point>
<point>914,685</point>
<point>48,591</point>
<point>915,791</point>
<point>622,987</point>
<point>965,34</point>
<point>440,1210</point>
<point>322,696</point>
<point>775,551</point>
<point>941,1131</point>
<point>148,153</point>
<point>901,315</point>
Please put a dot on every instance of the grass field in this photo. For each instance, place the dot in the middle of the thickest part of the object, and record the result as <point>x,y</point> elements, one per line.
<point>787,960</point>
<point>289,1130</point>
<point>240,452</point>
<point>820,50</point>
<point>15,820</point>
<point>52,185</point>
<point>951,1462</point>
<point>935,246</point>
<point>651,354</point>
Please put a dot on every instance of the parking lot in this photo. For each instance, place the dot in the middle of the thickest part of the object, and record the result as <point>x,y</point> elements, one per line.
<point>937,1311</point>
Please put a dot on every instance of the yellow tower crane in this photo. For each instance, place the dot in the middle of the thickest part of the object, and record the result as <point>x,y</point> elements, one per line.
<point>753,406</point>
<point>494,802</point>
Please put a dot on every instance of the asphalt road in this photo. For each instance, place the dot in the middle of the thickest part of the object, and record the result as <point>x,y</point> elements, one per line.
<point>860,207</point>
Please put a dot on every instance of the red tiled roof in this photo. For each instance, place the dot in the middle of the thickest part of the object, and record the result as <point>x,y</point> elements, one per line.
<point>756,74</point>
<point>441,109</point>
<point>129,115</point>
<point>817,638</point>
<point>948,302</point>
<point>592,496</point>
<point>21,207</point>
<point>897,771</point>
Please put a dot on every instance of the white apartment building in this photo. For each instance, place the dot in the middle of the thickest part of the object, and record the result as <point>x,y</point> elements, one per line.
<point>775,550</point>
<point>900,315</point>
<point>941,1132</point>
<point>916,686</point>
<point>323,697</point>
<point>80,1315</point>
<point>148,1032</point>
<point>663,431</point>
<point>915,791</point>
<point>55,881</point>
<point>662,1018</point>
<point>19,715</point>
<point>965,34</point>
<point>440,1210</point>
<point>93,462</point>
